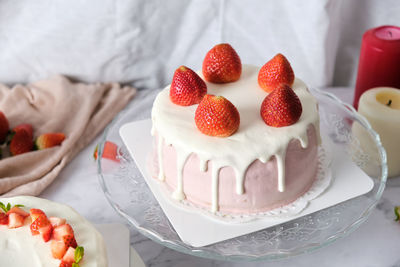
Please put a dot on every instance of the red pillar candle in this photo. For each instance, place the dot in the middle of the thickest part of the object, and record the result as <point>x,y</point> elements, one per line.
<point>379,63</point>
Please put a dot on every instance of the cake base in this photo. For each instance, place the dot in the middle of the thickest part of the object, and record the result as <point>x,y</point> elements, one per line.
<point>260,183</point>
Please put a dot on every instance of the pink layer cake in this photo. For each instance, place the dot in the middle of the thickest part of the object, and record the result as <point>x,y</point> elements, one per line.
<point>256,169</point>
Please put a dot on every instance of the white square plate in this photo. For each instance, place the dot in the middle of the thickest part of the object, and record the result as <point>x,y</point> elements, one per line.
<point>199,230</point>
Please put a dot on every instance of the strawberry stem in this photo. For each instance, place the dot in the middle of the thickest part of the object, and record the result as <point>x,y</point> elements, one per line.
<point>397,213</point>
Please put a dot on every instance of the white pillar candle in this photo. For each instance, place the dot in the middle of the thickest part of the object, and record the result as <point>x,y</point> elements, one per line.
<point>381,107</point>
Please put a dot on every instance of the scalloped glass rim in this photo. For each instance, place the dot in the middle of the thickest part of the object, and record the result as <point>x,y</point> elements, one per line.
<point>208,252</point>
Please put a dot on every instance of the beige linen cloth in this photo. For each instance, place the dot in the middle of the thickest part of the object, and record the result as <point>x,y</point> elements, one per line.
<point>80,111</point>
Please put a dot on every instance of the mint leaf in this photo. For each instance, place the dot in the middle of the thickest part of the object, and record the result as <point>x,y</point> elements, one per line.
<point>79,251</point>
<point>3,207</point>
<point>397,213</point>
<point>19,206</point>
<point>75,264</point>
<point>8,206</point>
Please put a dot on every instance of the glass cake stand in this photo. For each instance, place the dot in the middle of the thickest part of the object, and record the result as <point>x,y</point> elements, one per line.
<point>128,193</point>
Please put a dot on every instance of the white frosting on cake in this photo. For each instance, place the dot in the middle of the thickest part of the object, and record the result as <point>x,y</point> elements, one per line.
<point>174,125</point>
<point>20,249</point>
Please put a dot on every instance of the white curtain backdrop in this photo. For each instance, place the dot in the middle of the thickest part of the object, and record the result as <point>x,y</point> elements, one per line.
<point>144,41</point>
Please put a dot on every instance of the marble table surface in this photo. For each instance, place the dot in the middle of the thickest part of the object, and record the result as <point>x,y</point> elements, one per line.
<point>375,243</point>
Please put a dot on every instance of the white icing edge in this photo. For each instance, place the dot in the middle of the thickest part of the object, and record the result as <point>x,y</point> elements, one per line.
<point>322,181</point>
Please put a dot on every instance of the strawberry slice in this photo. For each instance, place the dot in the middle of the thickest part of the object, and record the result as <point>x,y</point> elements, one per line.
<point>55,221</point>
<point>275,72</point>
<point>58,249</point>
<point>46,232</point>
<point>187,88</point>
<point>15,220</point>
<point>69,241</point>
<point>35,213</point>
<point>63,230</point>
<point>19,211</point>
<point>216,116</point>
<point>39,222</point>
<point>43,227</point>
<point>222,64</point>
<point>110,151</point>
<point>65,264</point>
<point>3,218</point>
<point>69,256</point>
<point>281,107</point>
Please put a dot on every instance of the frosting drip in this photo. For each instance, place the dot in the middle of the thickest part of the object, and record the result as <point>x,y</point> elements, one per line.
<point>254,139</point>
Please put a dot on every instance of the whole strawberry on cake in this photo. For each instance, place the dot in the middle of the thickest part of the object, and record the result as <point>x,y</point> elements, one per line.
<point>236,139</point>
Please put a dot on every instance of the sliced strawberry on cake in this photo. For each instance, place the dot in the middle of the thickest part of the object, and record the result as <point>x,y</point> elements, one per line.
<point>15,220</point>
<point>58,249</point>
<point>275,72</point>
<point>187,88</point>
<point>21,140</point>
<point>55,221</point>
<point>43,227</point>
<point>12,216</point>
<point>3,218</point>
<point>222,64</point>
<point>35,213</point>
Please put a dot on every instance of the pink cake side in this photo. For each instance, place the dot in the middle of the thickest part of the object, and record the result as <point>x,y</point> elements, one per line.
<point>260,183</point>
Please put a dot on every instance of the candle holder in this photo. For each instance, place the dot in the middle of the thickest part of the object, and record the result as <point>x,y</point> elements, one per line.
<point>379,63</point>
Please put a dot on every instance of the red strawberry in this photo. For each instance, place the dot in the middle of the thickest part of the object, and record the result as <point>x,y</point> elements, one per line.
<point>21,141</point>
<point>46,232</point>
<point>3,219</point>
<point>26,127</point>
<point>15,220</point>
<point>222,64</point>
<point>55,221</point>
<point>35,213</point>
<point>216,116</point>
<point>40,222</point>
<point>43,227</point>
<point>19,211</point>
<point>48,140</point>
<point>275,72</point>
<point>281,107</point>
<point>110,151</point>
<point>65,264</point>
<point>187,88</point>
<point>69,241</point>
<point>69,255</point>
<point>58,249</point>
<point>60,231</point>
<point>4,127</point>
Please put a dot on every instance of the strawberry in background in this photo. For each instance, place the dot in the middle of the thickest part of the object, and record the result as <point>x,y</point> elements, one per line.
<point>222,64</point>
<point>21,139</point>
<point>110,151</point>
<point>4,127</point>
<point>48,140</point>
